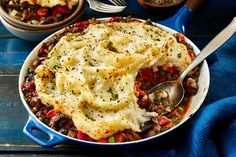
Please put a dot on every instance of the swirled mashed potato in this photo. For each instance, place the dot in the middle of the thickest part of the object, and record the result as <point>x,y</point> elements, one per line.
<point>52,3</point>
<point>90,76</point>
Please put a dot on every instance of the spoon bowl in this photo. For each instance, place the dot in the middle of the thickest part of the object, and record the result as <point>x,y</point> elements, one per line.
<point>175,88</point>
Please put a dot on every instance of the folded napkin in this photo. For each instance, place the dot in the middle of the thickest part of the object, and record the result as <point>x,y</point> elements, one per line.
<point>212,131</point>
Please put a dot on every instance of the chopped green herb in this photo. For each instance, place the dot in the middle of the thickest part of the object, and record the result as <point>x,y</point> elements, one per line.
<point>179,55</point>
<point>113,94</point>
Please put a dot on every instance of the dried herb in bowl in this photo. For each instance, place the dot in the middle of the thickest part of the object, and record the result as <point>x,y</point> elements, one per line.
<point>163,3</point>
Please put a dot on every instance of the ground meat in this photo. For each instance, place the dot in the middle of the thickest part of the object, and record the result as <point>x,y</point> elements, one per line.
<point>131,136</point>
<point>191,83</point>
<point>156,129</point>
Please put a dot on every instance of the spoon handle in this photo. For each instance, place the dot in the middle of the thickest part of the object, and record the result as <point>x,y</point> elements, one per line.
<point>214,44</point>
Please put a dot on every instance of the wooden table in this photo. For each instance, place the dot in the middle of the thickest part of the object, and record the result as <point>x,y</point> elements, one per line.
<point>13,52</point>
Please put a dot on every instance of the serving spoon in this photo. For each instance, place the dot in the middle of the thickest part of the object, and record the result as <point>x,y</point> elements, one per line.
<point>175,88</point>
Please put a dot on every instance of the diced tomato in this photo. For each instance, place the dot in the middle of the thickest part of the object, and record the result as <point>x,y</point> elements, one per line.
<point>62,9</point>
<point>36,63</point>
<point>83,136</point>
<point>28,86</point>
<point>52,113</point>
<point>102,140</point>
<point>120,137</point>
<point>147,74</point>
<point>138,90</point>
<point>180,37</point>
<point>163,120</point>
<point>42,12</point>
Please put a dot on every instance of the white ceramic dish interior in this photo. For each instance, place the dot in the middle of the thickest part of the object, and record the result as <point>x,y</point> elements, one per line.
<point>197,100</point>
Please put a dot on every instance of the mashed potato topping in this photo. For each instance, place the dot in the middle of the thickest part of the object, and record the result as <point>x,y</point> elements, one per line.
<point>90,76</point>
<point>52,3</point>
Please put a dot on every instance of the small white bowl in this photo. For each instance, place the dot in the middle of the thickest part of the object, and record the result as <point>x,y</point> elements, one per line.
<point>35,35</point>
<point>27,26</point>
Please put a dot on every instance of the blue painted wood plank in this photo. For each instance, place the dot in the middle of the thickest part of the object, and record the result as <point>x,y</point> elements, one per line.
<point>4,32</point>
<point>13,52</point>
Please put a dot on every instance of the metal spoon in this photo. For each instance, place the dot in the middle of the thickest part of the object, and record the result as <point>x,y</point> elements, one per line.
<point>175,88</point>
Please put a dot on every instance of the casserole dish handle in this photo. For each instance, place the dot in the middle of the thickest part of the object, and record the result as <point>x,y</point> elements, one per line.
<point>184,15</point>
<point>54,139</point>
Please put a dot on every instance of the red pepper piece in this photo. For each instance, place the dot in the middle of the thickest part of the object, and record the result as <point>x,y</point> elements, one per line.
<point>115,19</point>
<point>35,103</point>
<point>137,88</point>
<point>144,102</point>
<point>62,9</point>
<point>102,140</point>
<point>163,120</point>
<point>82,25</point>
<point>180,37</point>
<point>52,113</point>
<point>174,112</point>
<point>83,136</point>
<point>147,74</point>
<point>42,52</point>
<point>28,86</point>
<point>120,137</point>
<point>36,63</point>
<point>42,12</point>
<point>192,55</point>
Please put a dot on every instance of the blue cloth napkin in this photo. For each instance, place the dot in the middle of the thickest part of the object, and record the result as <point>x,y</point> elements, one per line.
<point>212,131</point>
